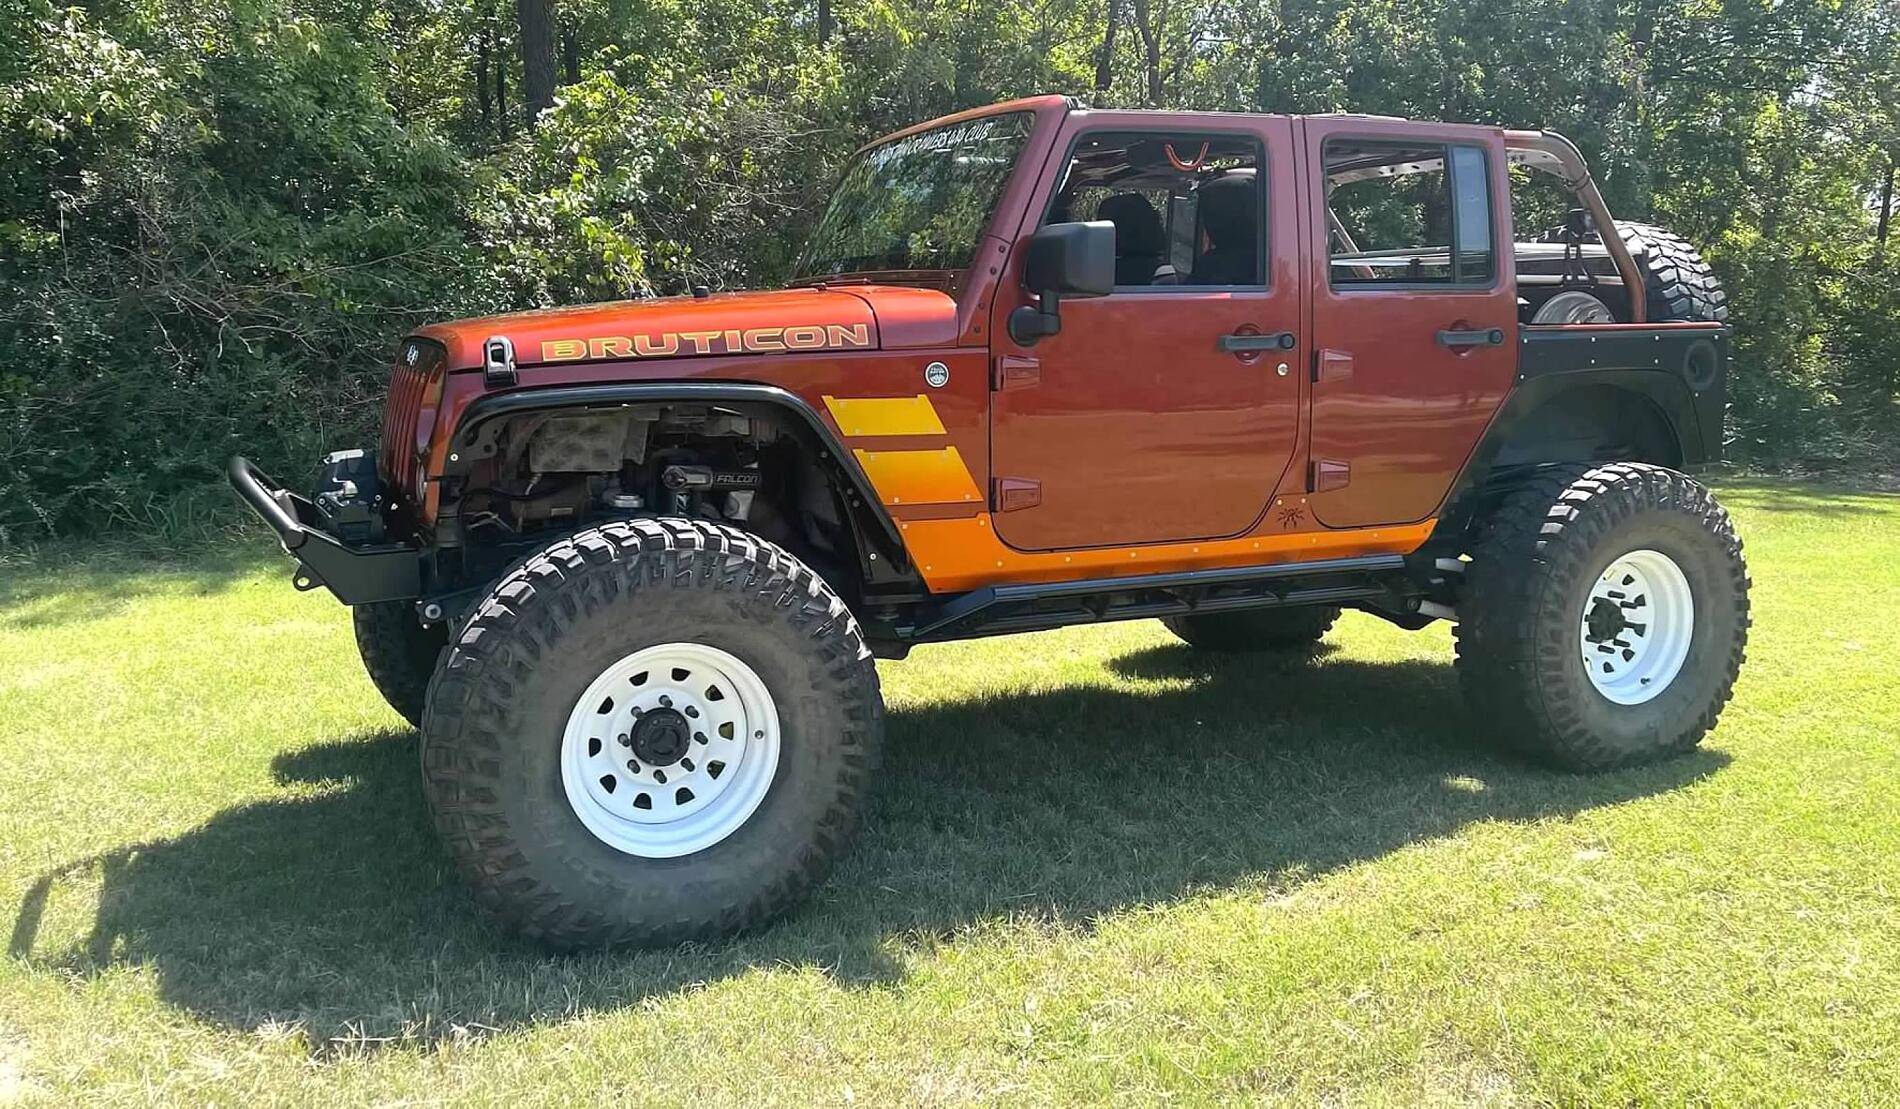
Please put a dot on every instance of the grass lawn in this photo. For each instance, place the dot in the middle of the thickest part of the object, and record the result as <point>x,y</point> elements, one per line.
<point>1099,867</point>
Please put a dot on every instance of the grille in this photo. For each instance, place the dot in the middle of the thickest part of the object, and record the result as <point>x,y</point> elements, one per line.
<point>408,384</point>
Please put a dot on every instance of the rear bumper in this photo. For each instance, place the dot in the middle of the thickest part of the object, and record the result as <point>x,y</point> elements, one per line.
<point>356,573</point>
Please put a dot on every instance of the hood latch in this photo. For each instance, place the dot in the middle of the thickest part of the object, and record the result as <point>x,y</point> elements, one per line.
<point>498,362</point>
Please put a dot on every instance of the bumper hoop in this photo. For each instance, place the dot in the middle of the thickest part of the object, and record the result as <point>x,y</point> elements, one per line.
<point>356,574</point>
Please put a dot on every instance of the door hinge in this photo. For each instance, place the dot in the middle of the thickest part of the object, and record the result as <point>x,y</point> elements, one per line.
<point>1016,371</point>
<point>1013,493</point>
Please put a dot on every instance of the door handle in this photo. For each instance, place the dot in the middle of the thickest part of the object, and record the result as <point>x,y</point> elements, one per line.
<point>1251,344</point>
<point>1477,337</point>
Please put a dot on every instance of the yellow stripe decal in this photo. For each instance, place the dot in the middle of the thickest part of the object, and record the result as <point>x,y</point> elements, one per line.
<point>885,415</point>
<point>920,477</point>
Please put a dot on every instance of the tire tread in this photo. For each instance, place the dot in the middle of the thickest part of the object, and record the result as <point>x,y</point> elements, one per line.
<point>398,653</point>
<point>1678,283</point>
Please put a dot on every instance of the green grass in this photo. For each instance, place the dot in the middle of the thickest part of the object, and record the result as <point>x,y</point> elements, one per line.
<point>1100,867</point>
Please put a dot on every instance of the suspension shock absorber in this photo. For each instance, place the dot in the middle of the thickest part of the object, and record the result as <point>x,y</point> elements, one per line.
<point>687,483</point>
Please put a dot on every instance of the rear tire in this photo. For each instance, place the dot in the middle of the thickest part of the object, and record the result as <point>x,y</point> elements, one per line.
<point>1604,616</point>
<point>1267,629</point>
<point>399,653</point>
<point>610,670</point>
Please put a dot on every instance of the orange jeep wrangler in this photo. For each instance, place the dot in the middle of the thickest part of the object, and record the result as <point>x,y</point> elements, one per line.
<point>627,566</point>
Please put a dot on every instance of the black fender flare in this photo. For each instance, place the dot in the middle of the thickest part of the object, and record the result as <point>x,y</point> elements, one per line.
<point>1678,372</point>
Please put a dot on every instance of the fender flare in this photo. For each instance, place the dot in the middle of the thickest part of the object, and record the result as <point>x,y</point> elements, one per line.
<point>1663,393</point>
<point>1677,371</point>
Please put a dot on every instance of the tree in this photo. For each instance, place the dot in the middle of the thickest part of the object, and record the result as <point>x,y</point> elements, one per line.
<point>535,33</point>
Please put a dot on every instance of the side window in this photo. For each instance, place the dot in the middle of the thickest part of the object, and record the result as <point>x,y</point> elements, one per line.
<point>1408,214</point>
<point>1187,208</point>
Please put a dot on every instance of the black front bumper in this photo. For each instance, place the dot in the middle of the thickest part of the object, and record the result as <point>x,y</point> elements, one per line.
<point>358,573</point>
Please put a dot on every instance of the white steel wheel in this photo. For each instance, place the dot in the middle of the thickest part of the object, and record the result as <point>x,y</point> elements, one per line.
<point>1636,626</point>
<point>670,750</point>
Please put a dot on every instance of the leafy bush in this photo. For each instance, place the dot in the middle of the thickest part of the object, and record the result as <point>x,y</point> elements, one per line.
<point>216,229</point>
<point>703,192</point>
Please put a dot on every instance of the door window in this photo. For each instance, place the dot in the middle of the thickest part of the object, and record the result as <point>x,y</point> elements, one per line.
<point>1187,207</point>
<point>1408,214</point>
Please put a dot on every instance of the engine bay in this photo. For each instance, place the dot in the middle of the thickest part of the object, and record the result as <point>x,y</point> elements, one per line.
<point>563,471</point>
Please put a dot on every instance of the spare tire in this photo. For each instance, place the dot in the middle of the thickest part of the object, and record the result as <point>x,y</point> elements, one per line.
<point>1677,283</point>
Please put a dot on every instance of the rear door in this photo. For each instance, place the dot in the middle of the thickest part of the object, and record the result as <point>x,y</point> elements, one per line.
<point>1167,410</point>
<point>1414,310</point>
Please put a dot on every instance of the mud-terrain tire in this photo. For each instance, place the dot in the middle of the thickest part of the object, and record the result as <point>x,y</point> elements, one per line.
<point>1266,629</point>
<point>399,653</point>
<point>1574,608</point>
<point>690,620</point>
<point>1677,284</point>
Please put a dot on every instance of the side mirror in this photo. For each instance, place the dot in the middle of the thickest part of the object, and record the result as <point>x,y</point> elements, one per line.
<point>1063,259</point>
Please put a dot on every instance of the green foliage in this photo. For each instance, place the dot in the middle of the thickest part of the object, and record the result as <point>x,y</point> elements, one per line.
<point>216,229</point>
<point>216,217</point>
<point>588,208</point>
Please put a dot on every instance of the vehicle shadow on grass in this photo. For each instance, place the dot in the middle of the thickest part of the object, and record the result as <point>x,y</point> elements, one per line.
<point>335,911</point>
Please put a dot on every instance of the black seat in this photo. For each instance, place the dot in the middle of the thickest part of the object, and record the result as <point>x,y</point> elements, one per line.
<point>1230,215</point>
<point>1139,240</point>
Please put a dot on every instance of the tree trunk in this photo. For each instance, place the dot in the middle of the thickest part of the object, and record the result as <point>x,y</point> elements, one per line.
<point>502,123</point>
<point>1105,61</point>
<point>1886,208</point>
<point>570,53</point>
<point>483,95</point>
<point>1151,52</point>
<point>535,24</point>
<point>824,22</point>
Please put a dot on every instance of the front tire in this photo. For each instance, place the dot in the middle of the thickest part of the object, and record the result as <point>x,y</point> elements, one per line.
<point>653,731</point>
<point>1604,616</point>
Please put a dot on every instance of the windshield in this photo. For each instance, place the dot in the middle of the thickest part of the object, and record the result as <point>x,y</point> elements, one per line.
<point>919,202</point>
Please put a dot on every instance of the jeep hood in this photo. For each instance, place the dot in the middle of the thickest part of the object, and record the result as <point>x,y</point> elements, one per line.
<point>856,317</point>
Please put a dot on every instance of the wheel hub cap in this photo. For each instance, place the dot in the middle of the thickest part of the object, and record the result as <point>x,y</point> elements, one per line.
<point>670,750</point>
<point>1636,626</point>
<point>661,737</point>
<point>1605,620</point>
